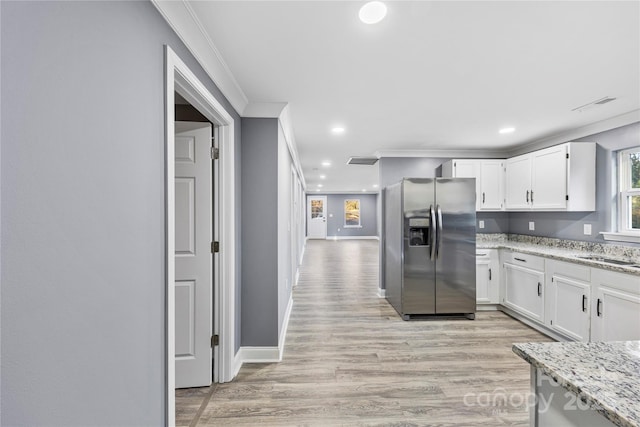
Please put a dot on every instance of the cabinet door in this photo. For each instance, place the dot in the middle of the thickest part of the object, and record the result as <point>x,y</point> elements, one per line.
<point>468,169</point>
<point>491,193</point>
<point>518,182</point>
<point>570,314</point>
<point>524,291</point>
<point>483,264</point>
<point>549,178</point>
<point>616,315</point>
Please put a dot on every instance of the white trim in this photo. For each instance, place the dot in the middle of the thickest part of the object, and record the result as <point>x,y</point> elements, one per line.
<point>476,154</point>
<point>581,132</point>
<point>184,22</point>
<point>621,237</point>
<point>179,78</point>
<point>259,355</point>
<point>264,109</point>
<point>487,307</point>
<point>285,327</point>
<point>382,293</point>
<point>353,238</point>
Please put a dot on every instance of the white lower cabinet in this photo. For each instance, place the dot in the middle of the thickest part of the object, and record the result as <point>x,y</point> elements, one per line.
<point>487,276</point>
<point>568,297</point>
<point>615,306</point>
<point>524,285</point>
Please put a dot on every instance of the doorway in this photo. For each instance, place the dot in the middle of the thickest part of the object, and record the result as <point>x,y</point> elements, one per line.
<point>180,80</point>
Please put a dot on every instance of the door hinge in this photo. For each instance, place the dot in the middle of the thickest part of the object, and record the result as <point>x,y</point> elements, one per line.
<point>215,340</point>
<point>215,247</point>
<point>215,153</point>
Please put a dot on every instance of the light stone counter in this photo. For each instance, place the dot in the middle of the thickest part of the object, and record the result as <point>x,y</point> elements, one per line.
<point>563,250</point>
<point>603,375</point>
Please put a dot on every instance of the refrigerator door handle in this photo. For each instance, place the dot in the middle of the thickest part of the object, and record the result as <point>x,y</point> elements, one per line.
<point>439,235</point>
<point>432,234</point>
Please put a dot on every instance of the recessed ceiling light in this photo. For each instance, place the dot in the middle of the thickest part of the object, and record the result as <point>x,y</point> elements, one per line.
<point>323,176</point>
<point>319,185</point>
<point>318,189</point>
<point>375,185</point>
<point>326,163</point>
<point>364,189</point>
<point>372,12</point>
<point>337,130</point>
<point>506,130</point>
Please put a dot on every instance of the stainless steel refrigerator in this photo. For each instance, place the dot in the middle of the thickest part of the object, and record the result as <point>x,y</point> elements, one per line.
<point>430,247</point>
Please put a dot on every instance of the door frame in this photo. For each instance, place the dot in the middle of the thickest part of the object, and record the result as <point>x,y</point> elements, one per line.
<point>179,78</point>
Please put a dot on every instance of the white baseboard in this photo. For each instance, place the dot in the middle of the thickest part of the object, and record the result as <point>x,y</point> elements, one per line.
<point>250,354</point>
<point>382,293</point>
<point>486,307</point>
<point>353,238</point>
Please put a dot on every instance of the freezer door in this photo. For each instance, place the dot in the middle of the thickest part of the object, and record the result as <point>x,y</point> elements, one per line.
<point>456,245</point>
<point>418,295</point>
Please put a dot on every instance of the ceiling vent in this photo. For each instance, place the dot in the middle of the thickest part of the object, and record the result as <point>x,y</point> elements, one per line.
<point>594,104</point>
<point>362,161</point>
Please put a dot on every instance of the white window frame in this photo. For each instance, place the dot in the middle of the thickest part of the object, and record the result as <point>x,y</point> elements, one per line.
<point>625,190</point>
<point>624,233</point>
<point>344,205</point>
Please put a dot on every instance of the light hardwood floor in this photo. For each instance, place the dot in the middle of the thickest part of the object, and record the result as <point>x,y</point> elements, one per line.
<point>350,360</point>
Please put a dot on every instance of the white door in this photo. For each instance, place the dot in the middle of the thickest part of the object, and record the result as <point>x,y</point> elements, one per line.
<point>316,217</point>
<point>193,236</point>
<point>524,291</point>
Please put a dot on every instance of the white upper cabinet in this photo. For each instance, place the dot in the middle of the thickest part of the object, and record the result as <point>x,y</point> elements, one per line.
<point>518,182</point>
<point>489,175</point>
<point>559,178</point>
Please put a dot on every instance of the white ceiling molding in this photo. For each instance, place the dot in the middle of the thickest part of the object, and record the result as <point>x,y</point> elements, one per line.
<point>472,154</point>
<point>263,109</point>
<point>187,26</point>
<point>581,132</point>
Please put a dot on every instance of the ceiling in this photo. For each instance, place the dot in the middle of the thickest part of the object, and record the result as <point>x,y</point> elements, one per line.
<point>434,78</point>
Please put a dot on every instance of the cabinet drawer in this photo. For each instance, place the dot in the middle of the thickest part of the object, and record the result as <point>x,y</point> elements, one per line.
<point>524,260</point>
<point>567,269</point>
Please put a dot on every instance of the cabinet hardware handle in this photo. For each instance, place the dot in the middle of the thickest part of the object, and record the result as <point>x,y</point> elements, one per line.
<point>520,259</point>
<point>531,196</point>
<point>539,289</point>
<point>489,274</point>
<point>584,303</point>
<point>527,196</point>
<point>598,308</point>
<point>483,197</point>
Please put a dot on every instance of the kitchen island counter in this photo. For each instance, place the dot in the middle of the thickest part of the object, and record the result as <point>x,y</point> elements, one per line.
<point>604,376</point>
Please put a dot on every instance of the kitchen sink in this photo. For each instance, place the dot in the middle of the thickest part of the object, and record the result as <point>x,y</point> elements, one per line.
<point>609,260</point>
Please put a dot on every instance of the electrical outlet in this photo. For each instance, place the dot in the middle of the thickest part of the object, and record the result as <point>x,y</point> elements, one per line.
<point>587,229</point>
<point>481,223</point>
<point>532,225</point>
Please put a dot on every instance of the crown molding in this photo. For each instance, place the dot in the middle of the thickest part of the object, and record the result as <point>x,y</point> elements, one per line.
<point>580,132</point>
<point>474,153</point>
<point>184,22</point>
<point>264,110</point>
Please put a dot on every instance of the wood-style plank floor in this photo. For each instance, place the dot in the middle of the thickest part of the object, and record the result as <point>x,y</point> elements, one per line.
<point>350,360</point>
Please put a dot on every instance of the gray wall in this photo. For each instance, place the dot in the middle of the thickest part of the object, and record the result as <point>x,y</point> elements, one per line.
<point>368,215</point>
<point>393,169</point>
<point>259,232</point>
<point>83,295</point>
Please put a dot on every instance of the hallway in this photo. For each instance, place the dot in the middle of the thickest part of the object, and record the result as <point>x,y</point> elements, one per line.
<point>350,360</point>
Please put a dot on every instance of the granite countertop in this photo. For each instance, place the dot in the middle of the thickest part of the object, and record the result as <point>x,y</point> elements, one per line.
<point>564,250</point>
<point>604,375</point>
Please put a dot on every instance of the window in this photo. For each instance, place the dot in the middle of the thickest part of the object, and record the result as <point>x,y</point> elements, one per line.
<point>629,187</point>
<point>352,213</point>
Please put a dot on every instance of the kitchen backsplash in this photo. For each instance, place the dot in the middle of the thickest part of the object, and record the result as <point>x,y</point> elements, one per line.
<point>591,247</point>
